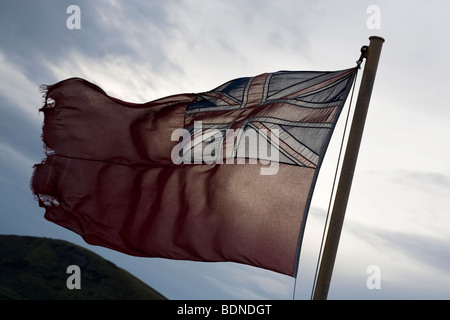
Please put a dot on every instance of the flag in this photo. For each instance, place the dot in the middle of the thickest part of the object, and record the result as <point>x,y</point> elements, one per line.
<point>223,175</point>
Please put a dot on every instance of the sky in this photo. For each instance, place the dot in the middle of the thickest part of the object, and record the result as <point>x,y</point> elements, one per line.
<point>398,218</point>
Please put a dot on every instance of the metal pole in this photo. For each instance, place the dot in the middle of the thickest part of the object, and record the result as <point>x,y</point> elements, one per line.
<point>348,169</point>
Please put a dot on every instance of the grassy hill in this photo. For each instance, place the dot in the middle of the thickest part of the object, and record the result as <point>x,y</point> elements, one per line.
<point>36,268</point>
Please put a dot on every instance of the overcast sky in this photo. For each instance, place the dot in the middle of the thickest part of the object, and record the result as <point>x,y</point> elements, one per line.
<point>398,217</point>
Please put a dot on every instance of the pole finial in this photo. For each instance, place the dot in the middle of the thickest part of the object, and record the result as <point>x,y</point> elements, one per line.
<point>364,50</point>
<point>362,56</point>
<point>376,38</point>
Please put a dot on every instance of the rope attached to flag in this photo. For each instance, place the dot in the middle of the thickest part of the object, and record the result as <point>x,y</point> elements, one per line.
<point>338,164</point>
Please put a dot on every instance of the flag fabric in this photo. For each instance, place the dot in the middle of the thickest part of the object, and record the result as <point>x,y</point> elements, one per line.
<point>223,175</point>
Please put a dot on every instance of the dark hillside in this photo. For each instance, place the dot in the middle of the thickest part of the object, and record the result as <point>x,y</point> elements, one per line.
<point>36,268</point>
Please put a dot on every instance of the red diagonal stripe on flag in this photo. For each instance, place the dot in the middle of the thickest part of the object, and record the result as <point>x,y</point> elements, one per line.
<point>319,85</point>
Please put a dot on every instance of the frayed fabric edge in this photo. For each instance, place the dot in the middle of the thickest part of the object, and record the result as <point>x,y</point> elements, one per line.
<point>46,100</point>
<point>44,200</point>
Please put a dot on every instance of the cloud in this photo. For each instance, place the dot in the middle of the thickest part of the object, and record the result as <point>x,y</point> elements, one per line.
<point>396,220</point>
<point>16,88</point>
<point>406,260</point>
<point>106,39</point>
<point>245,282</point>
<point>428,251</point>
<point>20,123</point>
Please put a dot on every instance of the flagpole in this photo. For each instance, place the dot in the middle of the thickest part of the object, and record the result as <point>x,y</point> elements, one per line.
<point>372,56</point>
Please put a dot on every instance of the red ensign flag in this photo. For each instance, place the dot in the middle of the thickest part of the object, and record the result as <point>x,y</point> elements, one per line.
<point>224,175</point>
